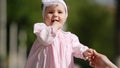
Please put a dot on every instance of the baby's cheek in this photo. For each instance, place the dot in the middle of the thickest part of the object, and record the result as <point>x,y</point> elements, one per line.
<point>62,21</point>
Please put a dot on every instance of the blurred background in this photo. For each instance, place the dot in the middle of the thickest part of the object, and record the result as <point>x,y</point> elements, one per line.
<point>95,22</point>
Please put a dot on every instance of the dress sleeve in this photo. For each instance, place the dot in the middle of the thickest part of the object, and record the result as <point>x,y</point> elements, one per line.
<point>78,48</point>
<point>45,34</point>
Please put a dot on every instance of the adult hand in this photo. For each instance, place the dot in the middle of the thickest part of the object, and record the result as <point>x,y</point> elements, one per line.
<point>100,61</point>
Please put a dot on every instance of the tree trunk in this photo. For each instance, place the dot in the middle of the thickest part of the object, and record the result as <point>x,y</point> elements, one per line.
<point>118,31</point>
<point>3,52</point>
<point>118,26</point>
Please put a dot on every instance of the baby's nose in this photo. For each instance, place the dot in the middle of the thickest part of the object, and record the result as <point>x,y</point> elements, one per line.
<point>56,14</point>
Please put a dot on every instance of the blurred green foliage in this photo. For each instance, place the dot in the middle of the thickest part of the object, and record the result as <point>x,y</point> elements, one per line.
<point>92,23</point>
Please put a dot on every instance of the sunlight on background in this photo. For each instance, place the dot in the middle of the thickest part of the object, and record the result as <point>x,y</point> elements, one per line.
<point>93,21</point>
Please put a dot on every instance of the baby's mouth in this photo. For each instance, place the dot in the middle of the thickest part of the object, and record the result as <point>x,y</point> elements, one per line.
<point>54,21</point>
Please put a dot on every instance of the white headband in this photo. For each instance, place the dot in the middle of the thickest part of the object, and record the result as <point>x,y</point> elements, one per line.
<point>50,2</point>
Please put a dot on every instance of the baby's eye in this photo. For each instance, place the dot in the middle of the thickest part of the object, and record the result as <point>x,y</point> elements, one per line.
<point>59,12</point>
<point>50,12</point>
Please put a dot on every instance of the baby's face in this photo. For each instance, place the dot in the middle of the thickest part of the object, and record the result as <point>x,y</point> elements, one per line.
<point>55,12</point>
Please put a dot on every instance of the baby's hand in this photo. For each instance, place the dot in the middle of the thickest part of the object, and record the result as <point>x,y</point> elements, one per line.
<point>57,25</point>
<point>88,53</point>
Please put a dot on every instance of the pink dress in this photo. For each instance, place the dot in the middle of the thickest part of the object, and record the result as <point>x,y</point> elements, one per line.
<point>54,49</point>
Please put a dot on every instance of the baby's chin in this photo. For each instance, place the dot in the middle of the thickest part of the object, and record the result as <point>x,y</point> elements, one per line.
<point>49,24</point>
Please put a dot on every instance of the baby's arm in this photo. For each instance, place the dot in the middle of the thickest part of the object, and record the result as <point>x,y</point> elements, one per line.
<point>78,48</point>
<point>45,34</point>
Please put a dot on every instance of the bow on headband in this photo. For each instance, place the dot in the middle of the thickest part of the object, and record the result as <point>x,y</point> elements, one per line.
<point>50,2</point>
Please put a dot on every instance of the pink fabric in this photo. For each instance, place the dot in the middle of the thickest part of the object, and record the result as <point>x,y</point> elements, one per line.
<point>54,49</point>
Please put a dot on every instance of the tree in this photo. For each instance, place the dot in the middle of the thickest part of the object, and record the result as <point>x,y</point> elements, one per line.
<point>118,26</point>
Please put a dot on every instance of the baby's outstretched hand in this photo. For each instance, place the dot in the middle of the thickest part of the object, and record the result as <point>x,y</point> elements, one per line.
<point>88,53</point>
